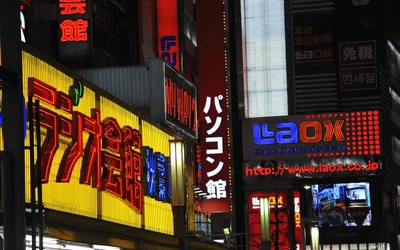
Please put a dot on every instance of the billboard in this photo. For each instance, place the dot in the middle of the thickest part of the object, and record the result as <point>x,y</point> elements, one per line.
<point>168,35</point>
<point>279,223</point>
<point>312,136</point>
<point>345,195</point>
<point>213,94</point>
<point>93,157</point>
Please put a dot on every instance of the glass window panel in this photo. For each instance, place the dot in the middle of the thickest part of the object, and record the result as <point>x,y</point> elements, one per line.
<point>265,57</point>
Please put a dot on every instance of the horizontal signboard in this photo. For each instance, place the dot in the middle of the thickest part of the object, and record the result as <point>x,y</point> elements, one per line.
<point>313,168</point>
<point>312,136</point>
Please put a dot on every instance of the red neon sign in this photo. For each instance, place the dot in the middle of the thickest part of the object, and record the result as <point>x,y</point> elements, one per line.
<point>180,104</point>
<point>73,30</point>
<point>283,169</point>
<point>168,35</point>
<point>109,150</point>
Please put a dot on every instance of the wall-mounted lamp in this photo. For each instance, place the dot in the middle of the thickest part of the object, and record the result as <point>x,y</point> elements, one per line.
<point>306,186</point>
<point>265,222</point>
<point>178,170</point>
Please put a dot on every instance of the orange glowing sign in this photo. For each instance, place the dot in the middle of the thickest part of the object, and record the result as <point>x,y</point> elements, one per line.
<point>168,35</point>
<point>73,29</point>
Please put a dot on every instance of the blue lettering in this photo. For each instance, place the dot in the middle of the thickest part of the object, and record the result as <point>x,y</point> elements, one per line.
<point>261,134</point>
<point>287,136</point>
<point>166,43</point>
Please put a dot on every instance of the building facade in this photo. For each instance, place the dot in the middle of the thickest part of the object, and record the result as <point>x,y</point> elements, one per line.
<point>93,67</point>
<point>317,103</point>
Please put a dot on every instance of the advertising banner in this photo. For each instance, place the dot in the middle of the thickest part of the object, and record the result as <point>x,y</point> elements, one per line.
<point>98,159</point>
<point>312,136</point>
<point>279,224</point>
<point>168,35</point>
<point>213,94</point>
<point>313,38</point>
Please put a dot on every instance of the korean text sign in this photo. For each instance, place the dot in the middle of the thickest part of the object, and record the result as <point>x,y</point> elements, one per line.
<point>312,136</point>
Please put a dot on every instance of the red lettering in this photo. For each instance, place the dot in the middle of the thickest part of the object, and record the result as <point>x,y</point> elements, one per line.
<point>333,130</point>
<point>64,102</point>
<point>72,8</point>
<point>91,165</point>
<point>133,168</point>
<point>74,150</point>
<point>304,137</point>
<point>50,121</point>
<point>42,91</point>
<point>112,140</point>
<point>74,31</point>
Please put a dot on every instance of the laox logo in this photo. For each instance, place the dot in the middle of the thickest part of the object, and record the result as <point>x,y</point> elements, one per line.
<point>360,2</point>
<point>166,43</point>
<point>308,132</point>
<point>314,54</point>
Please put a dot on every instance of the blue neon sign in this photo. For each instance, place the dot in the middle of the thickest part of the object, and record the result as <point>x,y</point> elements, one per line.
<point>262,136</point>
<point>157,175</point>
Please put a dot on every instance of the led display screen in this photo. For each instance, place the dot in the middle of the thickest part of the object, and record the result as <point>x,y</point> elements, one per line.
<point>344,195</point>
<point>312,136</point>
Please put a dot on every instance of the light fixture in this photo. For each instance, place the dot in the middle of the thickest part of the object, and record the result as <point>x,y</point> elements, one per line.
<point>265,220</point>
<point>306,186</point>
<point>196,188</point>
<point>178,169</point>
<point>314,238</point>
<point>203,194</point>
<point>198,191</point>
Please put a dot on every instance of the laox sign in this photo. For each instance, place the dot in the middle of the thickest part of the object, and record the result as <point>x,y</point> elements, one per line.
<point>290,133</point>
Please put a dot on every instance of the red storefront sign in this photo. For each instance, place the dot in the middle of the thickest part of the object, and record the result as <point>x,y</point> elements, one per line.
<point>73,29</point>
<point>111,158</point>
<point>213,105</point>
<point>298,233</point>
<point>168,34</point>
<point>279,225</point>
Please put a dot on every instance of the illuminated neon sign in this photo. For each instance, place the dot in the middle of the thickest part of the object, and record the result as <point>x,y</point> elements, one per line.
<point>111,158</point>
<point>181,105</point>
<point>73,30</point>
<point>156,175</point>
<point>319,135</point>
<point>283,169</point>
<point>168,34</point>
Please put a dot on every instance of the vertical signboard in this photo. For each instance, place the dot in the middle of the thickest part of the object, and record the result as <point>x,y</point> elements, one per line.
<point>213,94</point>
<point>358,65</point>
<point>298,233</point>
<point>74,27</point>
<point>168,34</point>
<point>279,225</point>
